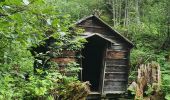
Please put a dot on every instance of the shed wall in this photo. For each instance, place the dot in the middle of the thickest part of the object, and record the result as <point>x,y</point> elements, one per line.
<point>116,59</point>
<point>116,69</point>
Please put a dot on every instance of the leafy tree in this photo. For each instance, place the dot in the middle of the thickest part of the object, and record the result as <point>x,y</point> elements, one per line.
<point>26,23</point>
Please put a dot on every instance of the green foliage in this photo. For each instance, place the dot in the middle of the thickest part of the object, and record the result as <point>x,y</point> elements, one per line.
<point>167,97</point>
<point>148,29</point>
<point>72,89</point>
<point>26,23</point>
<point>149,90</point>
<point>78,8</point>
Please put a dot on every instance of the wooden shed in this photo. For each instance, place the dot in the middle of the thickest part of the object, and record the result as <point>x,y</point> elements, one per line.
<point>106,56</point>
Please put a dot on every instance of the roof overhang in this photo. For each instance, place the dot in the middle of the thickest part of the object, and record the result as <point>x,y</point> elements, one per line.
<point>87,35</point>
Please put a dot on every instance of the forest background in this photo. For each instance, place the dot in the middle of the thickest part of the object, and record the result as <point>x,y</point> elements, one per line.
<point>23,24</point>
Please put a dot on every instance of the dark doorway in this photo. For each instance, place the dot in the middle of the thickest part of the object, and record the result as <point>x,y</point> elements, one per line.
<point>92,62</point>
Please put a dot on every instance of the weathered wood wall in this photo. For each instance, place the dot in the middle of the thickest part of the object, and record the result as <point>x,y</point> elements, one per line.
<point>64,58</point>
<point>116,69</point>
<point>116,59</point>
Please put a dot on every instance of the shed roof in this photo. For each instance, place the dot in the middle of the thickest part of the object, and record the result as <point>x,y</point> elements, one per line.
<point>107,26</point>
<point>89,34</point>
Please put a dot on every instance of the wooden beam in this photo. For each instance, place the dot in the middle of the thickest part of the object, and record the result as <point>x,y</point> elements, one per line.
<point>91,26</point>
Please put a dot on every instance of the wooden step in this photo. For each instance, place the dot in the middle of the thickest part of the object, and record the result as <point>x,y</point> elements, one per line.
<point>116,72</point>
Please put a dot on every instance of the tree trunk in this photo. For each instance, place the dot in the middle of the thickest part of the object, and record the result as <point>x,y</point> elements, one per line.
<point>113,11</point>
<point>126,14</point>
<point>120,11</point>
<point>137,12</point>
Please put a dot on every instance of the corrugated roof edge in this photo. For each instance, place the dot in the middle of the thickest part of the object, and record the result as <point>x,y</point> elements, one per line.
<point>121,36</point>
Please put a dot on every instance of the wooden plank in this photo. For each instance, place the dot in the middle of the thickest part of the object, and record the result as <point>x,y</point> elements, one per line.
<point>68,53</point>
<point>113,83</point>
<point>116,68</point>
<point>63,61</point>
<point>118,65</point>
<point>115,92</point>
<point>115,58</point>
<point>104,69</point>
<point>117,50</point>
<point>115,80</point>
<point>117,72</point>
<point>117,47</point>
<point>116,44</point>
<point>117,85</point>
<point>94,93</point>
<point>90,26</point>
<point>88,22</point>
<point>116,55</point>
<point>116,76</point>
<point>117,62</point>
<point>114,88</point>
<point>122,85</point>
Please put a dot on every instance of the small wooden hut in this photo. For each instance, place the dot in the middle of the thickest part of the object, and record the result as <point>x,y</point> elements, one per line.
<point>106,57</point>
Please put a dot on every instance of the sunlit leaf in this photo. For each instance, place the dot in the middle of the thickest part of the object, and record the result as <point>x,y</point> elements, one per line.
<point>26,2</point>
<point>49,21</point>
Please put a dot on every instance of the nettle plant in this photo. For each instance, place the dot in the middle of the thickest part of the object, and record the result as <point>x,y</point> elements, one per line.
<point>28,23</point>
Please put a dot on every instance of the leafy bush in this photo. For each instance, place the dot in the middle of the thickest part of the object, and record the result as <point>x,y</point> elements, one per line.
<point>26,23</point>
